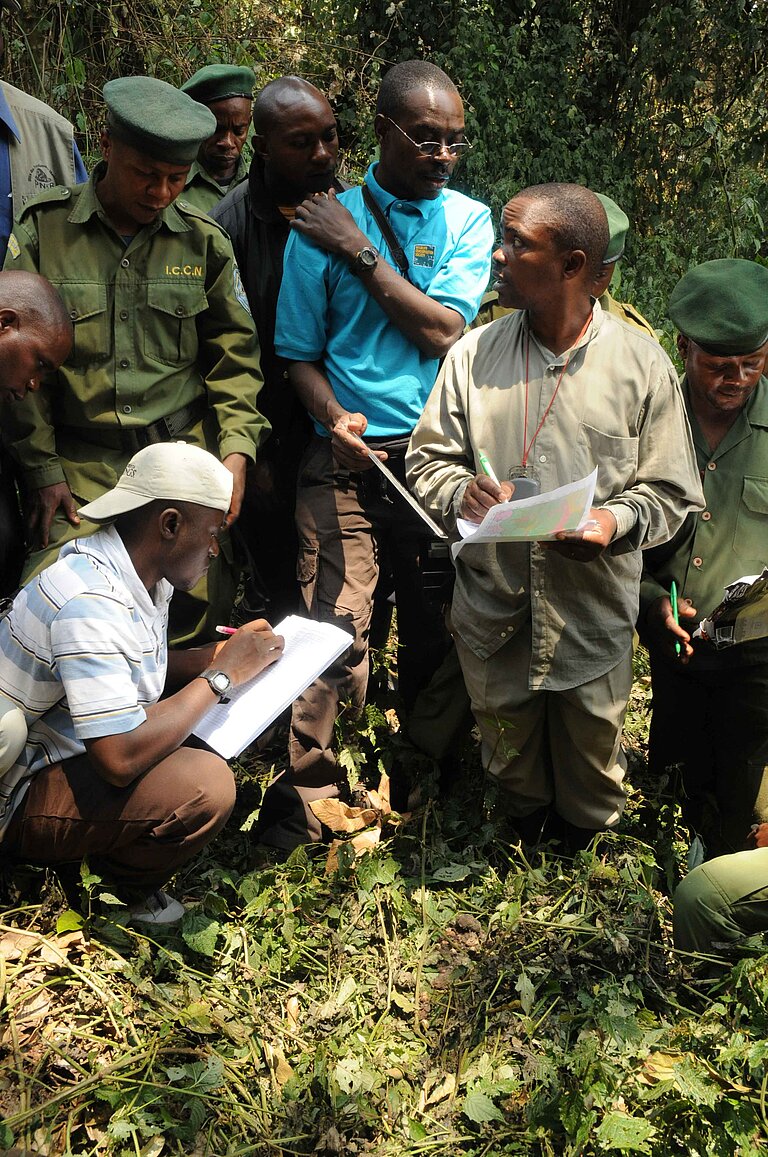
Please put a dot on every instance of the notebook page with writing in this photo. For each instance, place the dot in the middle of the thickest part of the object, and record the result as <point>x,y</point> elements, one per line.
<point>309,649</point>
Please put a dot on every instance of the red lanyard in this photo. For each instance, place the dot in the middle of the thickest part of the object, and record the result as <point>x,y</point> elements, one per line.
<point>527,449</point>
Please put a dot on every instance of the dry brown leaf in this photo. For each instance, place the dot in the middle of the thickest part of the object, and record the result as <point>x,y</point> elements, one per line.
<point>380,798</point>
<point>444,1088</point>
<point>34,1008</point>
<point>340,817</point>
<point>659,1067</point>
<point>393,723</point>
<point>292,1009</point>
<point>13,945</point>
<point>278,1065</point>
<point>363,843</point>
<point>154,1147</point>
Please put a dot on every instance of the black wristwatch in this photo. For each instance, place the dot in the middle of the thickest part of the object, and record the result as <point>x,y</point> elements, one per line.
<point>219,683</point>
<point>364,260</point>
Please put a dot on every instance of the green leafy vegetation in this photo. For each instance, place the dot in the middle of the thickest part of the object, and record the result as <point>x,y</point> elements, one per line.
<point>443,994</point>
<point>662,106</point>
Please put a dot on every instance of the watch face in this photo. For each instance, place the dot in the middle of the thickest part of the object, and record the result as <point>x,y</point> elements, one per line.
<point>220,682</point>
<point>368,258</point>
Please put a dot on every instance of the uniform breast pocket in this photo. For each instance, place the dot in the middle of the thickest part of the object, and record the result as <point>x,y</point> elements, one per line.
<point>170,336</point>
<point>87,305</point>
<point>614,456</point>
<point>750,539</point>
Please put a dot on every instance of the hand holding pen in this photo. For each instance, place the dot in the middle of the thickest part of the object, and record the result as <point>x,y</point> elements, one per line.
<point>484,492</point>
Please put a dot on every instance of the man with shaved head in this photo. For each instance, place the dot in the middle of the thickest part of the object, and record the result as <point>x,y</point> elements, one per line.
<point>295,150</point>
<point>35,338</point>
<point>545,395</point>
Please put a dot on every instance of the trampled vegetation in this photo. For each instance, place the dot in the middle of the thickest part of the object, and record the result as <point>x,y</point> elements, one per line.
<point>443,994</point>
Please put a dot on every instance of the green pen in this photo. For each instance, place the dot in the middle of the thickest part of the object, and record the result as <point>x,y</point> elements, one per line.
<point>486,467</point>
<point>675,614</point>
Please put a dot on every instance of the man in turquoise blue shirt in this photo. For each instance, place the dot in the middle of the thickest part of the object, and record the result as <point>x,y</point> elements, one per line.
<point>364,327</point>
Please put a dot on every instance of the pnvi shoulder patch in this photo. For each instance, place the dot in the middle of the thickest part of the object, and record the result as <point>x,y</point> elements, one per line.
<point>13,247</point>
<point>240,293</point>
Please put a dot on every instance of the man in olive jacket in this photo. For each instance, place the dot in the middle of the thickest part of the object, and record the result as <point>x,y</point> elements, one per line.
<point>164,346</point>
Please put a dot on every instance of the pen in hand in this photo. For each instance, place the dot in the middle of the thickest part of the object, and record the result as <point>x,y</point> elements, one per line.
<point>225,630</point>
<point>675,611</point>
<point>486,468</point>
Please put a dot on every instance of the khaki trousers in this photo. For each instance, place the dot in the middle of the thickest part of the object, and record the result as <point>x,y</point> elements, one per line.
<point>345,523</point>
<point>136,837</point>
<point>559,748</point>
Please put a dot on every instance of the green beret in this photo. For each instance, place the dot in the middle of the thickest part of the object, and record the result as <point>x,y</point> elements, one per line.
<point>618,227</point>
<point>723,306</point>
<point>157,119</point>
<point>219,82</point>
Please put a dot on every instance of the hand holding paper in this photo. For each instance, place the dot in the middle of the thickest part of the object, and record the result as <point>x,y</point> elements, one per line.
<point>536,519</point>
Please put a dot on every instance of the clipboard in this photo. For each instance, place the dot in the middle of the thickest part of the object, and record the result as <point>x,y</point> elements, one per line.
<point>401,490</point>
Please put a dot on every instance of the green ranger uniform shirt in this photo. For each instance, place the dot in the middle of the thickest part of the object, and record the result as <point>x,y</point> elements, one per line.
<point>726,540</point>
<point>160,324</point>
<point>202,191</point>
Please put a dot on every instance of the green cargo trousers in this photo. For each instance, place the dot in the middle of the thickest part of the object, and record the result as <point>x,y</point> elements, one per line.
<point>722,901</point>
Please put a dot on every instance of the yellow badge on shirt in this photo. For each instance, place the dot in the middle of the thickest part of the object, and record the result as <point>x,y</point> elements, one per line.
<point>13,247</point>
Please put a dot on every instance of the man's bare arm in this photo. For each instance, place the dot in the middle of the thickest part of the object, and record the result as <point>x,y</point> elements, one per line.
<point>433,328</point>
<point>120,759</point>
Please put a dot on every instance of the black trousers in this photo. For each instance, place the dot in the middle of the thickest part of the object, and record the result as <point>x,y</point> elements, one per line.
<point>714,724</point>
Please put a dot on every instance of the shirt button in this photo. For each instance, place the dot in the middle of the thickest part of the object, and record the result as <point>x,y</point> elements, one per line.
<point>711,465</point>
<point>126,409</point>
<point>503,634</point>
<point>125,263</point>
<point>697,561</point>
<point>73,314</point>
<point>510,629</point>
<point>542,457</point>
<point>123,314</point>
<point>706,516</point>
<point>179,310</point>
<point>537,593</point>
<point>124,363</point>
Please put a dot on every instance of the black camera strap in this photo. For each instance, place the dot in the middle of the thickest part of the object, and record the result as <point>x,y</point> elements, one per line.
<point>394,246</point>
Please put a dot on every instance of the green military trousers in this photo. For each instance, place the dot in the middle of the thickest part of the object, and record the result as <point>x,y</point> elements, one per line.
<point>722,901</point>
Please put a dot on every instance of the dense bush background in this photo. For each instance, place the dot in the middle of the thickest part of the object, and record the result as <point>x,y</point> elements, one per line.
<point>664,106</point>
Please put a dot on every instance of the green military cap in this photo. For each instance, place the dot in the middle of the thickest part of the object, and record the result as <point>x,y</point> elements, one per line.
<point>219,82</point>
<point>157,119</point>
<point>618,227</point>
<point>723,306</point>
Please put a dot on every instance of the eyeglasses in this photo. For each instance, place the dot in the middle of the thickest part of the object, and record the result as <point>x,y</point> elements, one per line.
<point>433,148</point>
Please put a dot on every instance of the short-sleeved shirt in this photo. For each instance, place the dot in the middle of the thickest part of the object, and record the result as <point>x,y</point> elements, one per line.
<point>325,311</point>
<point>83,652</point>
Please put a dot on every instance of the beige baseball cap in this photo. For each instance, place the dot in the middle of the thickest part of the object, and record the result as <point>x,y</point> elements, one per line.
<point>173,471</point>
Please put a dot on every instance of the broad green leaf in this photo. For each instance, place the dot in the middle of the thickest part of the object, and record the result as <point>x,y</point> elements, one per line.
<point>625,1134</point>
<point>69,921</point>
<point>527,992</point>
<point>480,1108</point>
<point>451,873</point>
<point>417,1130</point>
<point>200,932</point>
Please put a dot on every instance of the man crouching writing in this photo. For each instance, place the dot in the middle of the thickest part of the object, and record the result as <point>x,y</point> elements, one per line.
<point>544,631</point>
<point>106,771</point>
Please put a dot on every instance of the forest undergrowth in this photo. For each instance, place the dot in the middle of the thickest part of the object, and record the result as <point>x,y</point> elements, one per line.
<point>444,993</point>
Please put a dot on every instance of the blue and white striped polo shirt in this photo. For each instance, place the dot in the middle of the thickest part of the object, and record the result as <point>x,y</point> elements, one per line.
<point>83,651</point>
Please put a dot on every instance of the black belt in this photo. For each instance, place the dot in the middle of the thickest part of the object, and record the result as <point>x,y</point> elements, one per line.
<point>132,440</point>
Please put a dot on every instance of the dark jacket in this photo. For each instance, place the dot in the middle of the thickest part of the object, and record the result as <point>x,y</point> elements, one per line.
<point>259,233</point>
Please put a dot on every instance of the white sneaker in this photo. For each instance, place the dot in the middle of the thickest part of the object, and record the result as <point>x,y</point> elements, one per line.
<point>157,908</point>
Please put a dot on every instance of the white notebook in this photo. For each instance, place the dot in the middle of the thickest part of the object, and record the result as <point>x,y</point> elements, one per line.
<point>309,649</point>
